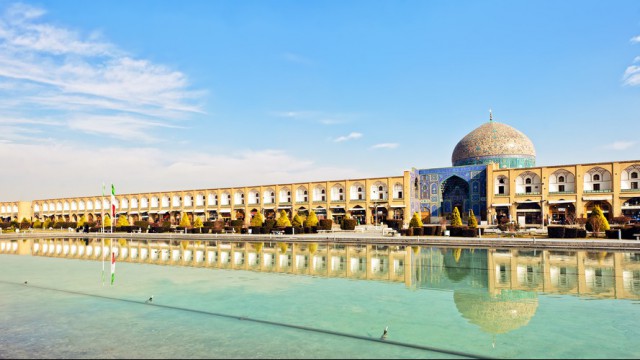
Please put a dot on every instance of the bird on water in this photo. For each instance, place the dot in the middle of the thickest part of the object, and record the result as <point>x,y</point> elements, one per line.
<point>384,334</point>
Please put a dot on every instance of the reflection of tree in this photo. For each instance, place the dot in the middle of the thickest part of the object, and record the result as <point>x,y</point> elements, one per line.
<point>457,264</point>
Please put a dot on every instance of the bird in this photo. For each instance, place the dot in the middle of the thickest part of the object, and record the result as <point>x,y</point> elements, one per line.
<point>149,300</point>
<point>25,283</point>
<point>384,334</point>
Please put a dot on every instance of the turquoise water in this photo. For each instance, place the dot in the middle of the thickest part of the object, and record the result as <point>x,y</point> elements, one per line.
<point>66,312</point>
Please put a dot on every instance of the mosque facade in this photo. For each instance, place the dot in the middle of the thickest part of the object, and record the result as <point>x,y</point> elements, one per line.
<point>493,174</point>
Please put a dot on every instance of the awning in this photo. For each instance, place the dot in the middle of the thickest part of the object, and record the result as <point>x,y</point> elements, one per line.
<point>133,212</point>
<point>601,197</point>
<point>500,205</point>
<point>528,210</point>
<point>199,211</point>
<point>357,209</point>
<point>268,207</point>
<point>381,205</point>
<point>631,207</point>
<point>528,201</point>
<point>162,212</point>
<point>284,207</point>
<point>337,207</point>
<point>398,206</point>
<point>561,201</point>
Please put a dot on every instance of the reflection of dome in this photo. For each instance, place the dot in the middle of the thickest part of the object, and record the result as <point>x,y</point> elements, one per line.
<point>500,314</point>
<point>495,142</point>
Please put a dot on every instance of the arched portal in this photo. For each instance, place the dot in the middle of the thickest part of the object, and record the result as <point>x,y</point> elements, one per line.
<point>455,194</point>
<point>604,205</point>
<point>631,208</point>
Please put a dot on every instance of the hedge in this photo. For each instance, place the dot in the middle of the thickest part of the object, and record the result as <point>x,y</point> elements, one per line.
<point>555,232</point>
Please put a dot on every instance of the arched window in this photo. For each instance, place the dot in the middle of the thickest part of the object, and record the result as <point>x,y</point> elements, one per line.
<point>597,180</point>
<point>254,197</point>
<point>398,191</point>
<point>337,193</point>
<point>176,201</point>
<point>561,181</point>
<point>319,194</point>
<point>301,194</point>
<point>285,195</point>
<point>502,186</point>
<point>225,199</point>
<point>357,192</point>
<point>212,199</point>
<point>379,191</point>
<point>268,196</point>
<point>528,183</point>
<point>239,198</point>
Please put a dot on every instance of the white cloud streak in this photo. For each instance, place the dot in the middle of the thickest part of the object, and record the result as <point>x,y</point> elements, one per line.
<point>385,146</point>
<point>635,39</point>
<point>47,67</point>
<point>351,136</point>
<point>620,145</point>
<point>145,169</point>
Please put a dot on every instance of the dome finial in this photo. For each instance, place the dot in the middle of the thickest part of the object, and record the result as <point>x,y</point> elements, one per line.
<point>490,115</point>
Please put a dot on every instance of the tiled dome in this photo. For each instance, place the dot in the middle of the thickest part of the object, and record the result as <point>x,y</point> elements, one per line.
<point>494,142</point>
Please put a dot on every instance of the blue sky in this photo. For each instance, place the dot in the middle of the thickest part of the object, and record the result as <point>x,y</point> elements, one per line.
<point>169,95</point>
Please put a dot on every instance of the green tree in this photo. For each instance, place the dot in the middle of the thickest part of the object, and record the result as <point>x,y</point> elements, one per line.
<point>297,221</point>
<point>283,219</point>
<point>197,223</point>
<point>184,221</point>
<point>82,221</point>
<point>257,220</point>
<point>311,220</point>
<point>47,224</point>
<point>473,222</point>
<point>122,221</point>
<point>455,217</point>
<point>37,224</point>
<point>107,221</point>
<point>416,221</point>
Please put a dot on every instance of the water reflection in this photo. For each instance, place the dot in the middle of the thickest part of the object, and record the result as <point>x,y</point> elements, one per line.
<point>494,289</point>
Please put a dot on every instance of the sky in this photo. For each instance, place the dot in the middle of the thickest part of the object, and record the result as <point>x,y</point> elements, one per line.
<point>153,95</point>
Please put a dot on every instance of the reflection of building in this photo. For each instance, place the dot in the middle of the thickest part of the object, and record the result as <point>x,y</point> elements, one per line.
<point>493,174</point>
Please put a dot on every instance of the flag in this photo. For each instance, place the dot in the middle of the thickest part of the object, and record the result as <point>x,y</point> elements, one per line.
<point>113,266</point>
<point>113,201</point>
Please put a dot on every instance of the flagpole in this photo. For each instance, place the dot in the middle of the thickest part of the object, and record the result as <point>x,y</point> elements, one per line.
<point>102,221</point>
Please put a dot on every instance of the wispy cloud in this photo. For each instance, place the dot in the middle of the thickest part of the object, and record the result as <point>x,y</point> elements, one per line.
<point>48,67</point>
<point>312,116</point>
<point>385,146</point>
<point>620,145</point>
<point>635,39</point>
<point>296,58</point>
<point>351,136</point>
<point>631,76</point>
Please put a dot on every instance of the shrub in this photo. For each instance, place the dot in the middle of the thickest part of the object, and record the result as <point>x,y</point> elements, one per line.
<point>166,225</point>
<point>255,230</point>
<point>237,225</point>
<point>428,230</point>
<point>570,233</point>
<point>455,230</point>
<point>473,221</point>
<point>197,223</point>
<point>581,233</point>
<point>25,224</point>
<point>311,220</point>
<point>283,219</point>
<point>107,221</point>
<point>37,224</point>
<point>141,224</point>
<point>325,224</point>
<point>455,217</point>
<point>611,233</point>
<point>46,224</point>
<point>82,221</point>
<point>555,232</point>
<point>348,224</point>
<point>268,225</point>
<point>394,224</point>
<point>416,221</point>
<point>622,220</point>
<point>418,231</point>
<point>469,232</point>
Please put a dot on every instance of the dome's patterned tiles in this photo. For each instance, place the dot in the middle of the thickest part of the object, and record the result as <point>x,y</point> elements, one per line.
<point>492,140</point>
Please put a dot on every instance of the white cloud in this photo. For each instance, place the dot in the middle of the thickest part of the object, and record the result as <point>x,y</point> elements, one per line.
<point>351,136</point>
<point>146,169</point>
<point>48,67</point>
<point>635,39</point>
<point>385,146</point>
<point>632,76</point>
<point>324,118</point>
<point>620,145</point>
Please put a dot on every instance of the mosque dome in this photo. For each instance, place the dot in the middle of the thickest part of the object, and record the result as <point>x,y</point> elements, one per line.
<point>494,142</point>
<point>498,314</point>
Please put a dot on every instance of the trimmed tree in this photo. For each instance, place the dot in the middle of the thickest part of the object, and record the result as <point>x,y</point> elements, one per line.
<point>37,224</point>
<point>597,220</point>
<point>122,221</point>
<point>311,220</point>
<point>82,221</point>
<point>257,220</point>
<point>473,222</point>
<point>455,217</point>
<point>416,221</point>
<point>283,219</point>
<point>297,221</point>
<point>184,221</point>
<point>106,221</point>
<point>197,223</point>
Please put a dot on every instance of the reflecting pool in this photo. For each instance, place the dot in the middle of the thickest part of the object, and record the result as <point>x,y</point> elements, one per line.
<point>317,300</point>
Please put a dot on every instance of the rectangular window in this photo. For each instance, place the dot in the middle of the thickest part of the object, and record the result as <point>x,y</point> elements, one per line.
<point>634,185</point>
<point>500,190</point>
<point>527,189</point>
<point>561,188</point>
<point>596,187</point>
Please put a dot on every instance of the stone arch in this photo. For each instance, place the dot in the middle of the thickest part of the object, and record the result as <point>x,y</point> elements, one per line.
<point>455,194</point>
